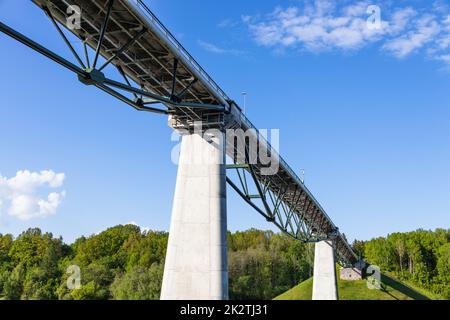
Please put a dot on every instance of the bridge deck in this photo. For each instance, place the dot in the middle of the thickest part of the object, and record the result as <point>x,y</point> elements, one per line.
<point>149,62</point>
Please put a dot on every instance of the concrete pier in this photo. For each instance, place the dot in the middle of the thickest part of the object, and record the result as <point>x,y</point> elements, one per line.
<point>196,260</point>
<point>325,279</point>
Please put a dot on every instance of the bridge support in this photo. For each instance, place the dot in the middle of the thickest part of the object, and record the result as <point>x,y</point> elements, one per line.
<point>325,279</point>
<point>196,261</point>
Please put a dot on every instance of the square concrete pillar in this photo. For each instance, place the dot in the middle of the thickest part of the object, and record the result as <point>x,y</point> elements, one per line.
<point>196,261</point>
<point>325,279</point>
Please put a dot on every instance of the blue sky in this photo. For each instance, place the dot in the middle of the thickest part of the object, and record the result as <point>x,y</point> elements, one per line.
<point>365,112</point>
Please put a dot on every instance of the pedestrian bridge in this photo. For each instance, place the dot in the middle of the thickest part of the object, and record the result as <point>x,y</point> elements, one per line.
<point>123,37</point>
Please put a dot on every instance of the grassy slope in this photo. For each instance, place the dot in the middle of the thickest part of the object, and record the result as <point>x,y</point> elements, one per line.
<point>422,291</point>
<point>357,290</point>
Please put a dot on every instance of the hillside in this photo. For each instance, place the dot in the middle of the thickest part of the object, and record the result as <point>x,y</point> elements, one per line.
<point>357,290</point>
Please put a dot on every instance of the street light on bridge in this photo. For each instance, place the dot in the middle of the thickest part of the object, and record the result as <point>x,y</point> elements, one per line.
<point>244,94</point>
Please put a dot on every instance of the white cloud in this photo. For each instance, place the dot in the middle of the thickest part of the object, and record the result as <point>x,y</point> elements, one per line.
<point>447,21</point>
<point>227,23</point>
<point>316,28</point>
<point>210,47</point>
<point>426,29</point>
<point>445,58</point>
<point>143,229</point>
<point>216,49</point>
<point>444,39</point>
<point>400,19</point>
<point>20,195</point>
<point>321,25</point>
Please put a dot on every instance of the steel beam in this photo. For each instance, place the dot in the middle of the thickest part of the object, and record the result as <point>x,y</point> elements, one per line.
<point>102,32</point>
<point>123,48</point>
<point>49,14</point>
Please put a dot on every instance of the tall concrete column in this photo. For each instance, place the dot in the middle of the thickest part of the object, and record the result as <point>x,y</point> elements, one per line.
<point>325,279</point>
<point>196,261</point>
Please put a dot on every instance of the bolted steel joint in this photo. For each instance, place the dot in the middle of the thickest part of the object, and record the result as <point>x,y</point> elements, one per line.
<point>92,77</point>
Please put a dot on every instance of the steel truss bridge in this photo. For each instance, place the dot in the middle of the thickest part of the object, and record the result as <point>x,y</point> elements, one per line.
<point>158,75</point>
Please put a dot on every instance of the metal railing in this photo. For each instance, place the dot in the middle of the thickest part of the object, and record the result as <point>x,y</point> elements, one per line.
<point>171,38</point>
<point>206,77</point>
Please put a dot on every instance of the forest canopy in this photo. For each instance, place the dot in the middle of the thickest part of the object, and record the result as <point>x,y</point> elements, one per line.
<point>125,263</point>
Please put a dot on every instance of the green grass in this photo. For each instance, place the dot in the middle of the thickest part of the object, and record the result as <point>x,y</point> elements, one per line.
<point>429,294</point>
<point>393,289</point>
<point>303,291</point>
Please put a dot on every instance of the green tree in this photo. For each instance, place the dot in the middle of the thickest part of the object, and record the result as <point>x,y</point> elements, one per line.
<point>124,263</point>
<point>262,264</point>
<point>38,285</point>
<point>398,243</point>
<point>359,248</point>
<point>443,268</point>
<point>139,284</point>
<point>89,291</point>
<point>380,252</point>
<point>13,285</point>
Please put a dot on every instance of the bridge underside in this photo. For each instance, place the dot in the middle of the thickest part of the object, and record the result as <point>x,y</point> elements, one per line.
<point>160,76</point>
<point>157,71</point>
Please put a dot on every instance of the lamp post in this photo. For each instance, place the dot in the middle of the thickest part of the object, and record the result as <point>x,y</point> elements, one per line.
<point>244,94</point>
